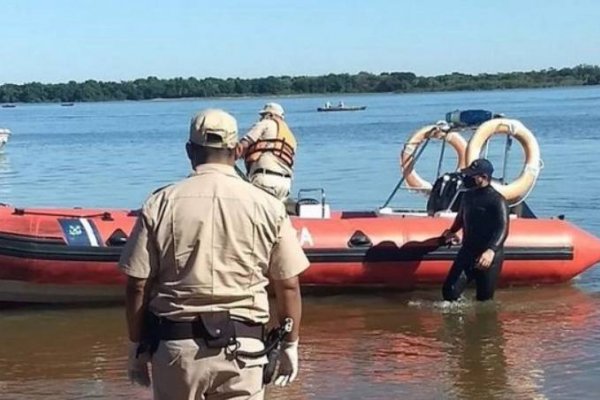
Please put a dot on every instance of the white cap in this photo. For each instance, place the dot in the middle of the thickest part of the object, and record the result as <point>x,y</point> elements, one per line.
<point>272,108</point>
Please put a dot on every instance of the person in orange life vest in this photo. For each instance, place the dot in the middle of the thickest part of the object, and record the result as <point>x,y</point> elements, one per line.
<point>268,150</point>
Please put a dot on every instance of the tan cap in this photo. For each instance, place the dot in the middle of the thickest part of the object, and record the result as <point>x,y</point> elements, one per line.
<point>272,108</point>
<point>214,123</point>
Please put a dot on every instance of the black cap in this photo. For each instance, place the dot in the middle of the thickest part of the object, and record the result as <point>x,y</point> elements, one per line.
<point>480,166</point>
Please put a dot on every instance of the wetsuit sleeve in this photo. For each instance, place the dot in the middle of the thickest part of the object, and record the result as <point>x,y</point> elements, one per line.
<point>458,221</point>
<point>501,232</point>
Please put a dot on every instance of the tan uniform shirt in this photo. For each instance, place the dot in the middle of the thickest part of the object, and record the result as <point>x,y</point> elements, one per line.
<point>266,129</point>
<point>209,242</point>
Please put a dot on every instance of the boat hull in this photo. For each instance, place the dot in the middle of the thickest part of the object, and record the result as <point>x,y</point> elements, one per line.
<point>70,256</point>
<point>333,109</point>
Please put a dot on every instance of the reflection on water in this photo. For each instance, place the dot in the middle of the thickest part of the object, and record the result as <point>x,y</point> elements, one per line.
<point>530,344</point>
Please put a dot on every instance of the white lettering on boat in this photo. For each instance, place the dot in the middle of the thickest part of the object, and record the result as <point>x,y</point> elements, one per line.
<point>306,237</point>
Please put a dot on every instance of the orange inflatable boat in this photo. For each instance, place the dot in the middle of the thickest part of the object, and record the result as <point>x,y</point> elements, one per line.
<point>70,255</point>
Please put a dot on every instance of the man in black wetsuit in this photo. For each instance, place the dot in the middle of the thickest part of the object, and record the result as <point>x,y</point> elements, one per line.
<point>483,216</point>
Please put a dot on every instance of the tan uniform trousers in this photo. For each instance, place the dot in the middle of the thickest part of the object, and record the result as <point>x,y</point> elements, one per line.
<point>278,186</point>
<point>188,370</point>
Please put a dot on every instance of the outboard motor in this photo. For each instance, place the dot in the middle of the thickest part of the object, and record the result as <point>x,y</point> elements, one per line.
<point>444,191</point>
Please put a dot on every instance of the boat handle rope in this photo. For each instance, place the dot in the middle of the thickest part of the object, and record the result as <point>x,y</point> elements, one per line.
<point>106,216</point>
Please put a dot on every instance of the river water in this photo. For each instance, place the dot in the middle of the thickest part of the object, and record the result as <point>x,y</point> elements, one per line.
<point>530,343</point>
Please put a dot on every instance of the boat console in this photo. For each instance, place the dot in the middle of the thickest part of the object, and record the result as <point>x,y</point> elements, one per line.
<point>309,207</point>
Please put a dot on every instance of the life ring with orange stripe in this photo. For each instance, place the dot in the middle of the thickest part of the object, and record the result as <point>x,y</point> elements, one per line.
<point>407,162</point>
<point>519,189</point>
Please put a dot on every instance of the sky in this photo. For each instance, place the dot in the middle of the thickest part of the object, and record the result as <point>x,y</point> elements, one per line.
<point>62,40</point>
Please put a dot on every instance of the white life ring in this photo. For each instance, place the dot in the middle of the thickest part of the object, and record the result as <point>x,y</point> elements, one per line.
<point>520,188</point>
<point>407,162</point>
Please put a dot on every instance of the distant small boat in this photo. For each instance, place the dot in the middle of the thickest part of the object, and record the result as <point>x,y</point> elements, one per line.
<point>67,104</point>
<point>4,135</point>
<point>8,105</point>
<point>341,108</point>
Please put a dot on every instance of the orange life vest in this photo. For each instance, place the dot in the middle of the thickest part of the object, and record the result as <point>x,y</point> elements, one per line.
<point>283,147</point>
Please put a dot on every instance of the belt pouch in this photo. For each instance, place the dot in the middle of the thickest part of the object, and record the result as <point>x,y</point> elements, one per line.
<point>218,328</point>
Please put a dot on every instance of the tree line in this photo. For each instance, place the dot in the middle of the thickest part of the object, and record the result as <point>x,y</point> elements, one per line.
<point>363,82</point>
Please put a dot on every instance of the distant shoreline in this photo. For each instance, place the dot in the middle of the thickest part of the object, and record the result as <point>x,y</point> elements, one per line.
<point>333,97</point>
<point>154,89</point>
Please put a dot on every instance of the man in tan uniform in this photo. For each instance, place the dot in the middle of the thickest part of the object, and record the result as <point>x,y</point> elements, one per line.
<point>269,149</point>
<point>199,258</point>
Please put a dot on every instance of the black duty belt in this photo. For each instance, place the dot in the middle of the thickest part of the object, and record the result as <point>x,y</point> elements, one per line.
<point>269,172</point>
<point>177,330</point>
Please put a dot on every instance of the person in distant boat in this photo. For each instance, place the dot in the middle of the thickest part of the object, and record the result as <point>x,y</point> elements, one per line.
<point>341,104</point>
<point>198,262</point>
<point>483,216</point>
<point>328,104</point>
<point>269,149</point>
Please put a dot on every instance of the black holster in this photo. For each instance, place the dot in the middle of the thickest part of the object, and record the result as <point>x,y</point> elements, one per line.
<point>272,350</point>
<point>274,343</point>
<point>150,334</point>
